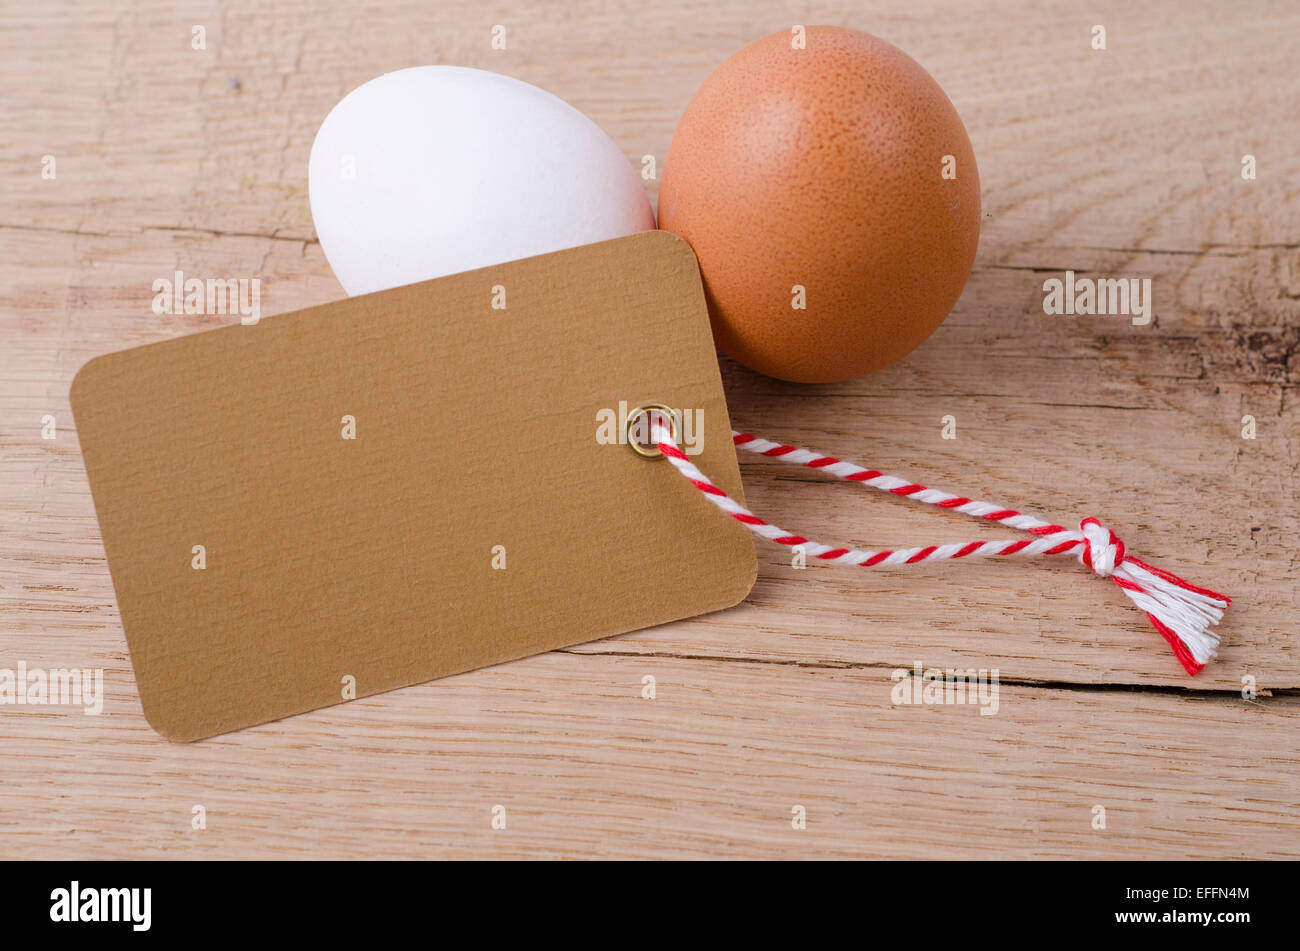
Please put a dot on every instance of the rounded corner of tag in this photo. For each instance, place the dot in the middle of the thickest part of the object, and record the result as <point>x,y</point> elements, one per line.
<point>747,574</point>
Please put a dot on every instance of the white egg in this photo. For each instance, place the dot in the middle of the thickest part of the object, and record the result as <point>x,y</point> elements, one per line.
<point>439,169</point>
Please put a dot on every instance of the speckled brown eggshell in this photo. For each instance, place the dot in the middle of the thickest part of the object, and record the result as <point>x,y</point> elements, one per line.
<point>821,167</point>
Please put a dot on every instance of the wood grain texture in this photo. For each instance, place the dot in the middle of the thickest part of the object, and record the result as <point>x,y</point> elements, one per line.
<point>1123,162</point>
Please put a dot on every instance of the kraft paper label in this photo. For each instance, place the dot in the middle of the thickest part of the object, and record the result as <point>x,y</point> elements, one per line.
<point>397,487</point>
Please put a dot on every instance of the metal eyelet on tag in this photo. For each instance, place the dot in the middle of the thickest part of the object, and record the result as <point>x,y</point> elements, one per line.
<point>650,452</point>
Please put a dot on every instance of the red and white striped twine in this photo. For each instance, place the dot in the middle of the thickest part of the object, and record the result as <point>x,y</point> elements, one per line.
<point>1183,613</point>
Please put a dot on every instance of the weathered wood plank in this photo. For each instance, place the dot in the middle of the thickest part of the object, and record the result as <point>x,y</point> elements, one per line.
<point>712,766</point>
<point>1118,163</point>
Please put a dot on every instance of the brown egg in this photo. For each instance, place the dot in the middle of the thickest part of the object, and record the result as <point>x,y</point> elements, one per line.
<point>841,168</point>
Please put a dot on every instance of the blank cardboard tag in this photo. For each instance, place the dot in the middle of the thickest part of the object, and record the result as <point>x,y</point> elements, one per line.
<point>401,486</point>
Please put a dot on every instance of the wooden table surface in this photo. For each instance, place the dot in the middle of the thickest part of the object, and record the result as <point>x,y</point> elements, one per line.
<point>1118,162</point>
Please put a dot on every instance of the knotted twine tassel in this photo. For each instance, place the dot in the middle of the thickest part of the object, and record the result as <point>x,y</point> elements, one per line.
<point>1183,613</point>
